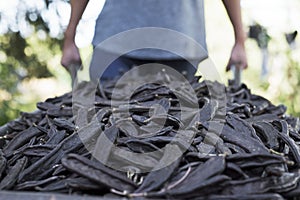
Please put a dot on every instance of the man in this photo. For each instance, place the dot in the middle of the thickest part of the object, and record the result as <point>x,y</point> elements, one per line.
<point>182,16</point>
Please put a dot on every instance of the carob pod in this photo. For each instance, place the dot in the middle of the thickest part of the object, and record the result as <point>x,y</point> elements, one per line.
<point>10,179</point>
<point>123,158</point>
<point>37,150</point>
<point>56,137</point>
<point>98,173</point>
<point>21,139</point>
<point>257,185</point>
<point>33,184</point>
<point>162,171</point>
<point>3,162</point>
<point>293,147</point>
<point>82,183</point>
<point>255,160</point>
<point>213,167</point>
<point>140,146</point>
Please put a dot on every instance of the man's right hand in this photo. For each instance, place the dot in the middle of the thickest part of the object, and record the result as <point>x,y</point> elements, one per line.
<point>70,54</point>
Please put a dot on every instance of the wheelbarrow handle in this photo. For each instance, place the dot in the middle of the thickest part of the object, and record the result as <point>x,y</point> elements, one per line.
<point>237,74</point>
<point>73,70</point>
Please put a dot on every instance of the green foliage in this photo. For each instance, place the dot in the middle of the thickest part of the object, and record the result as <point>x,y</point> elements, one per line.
<point>291,98</point>
<point>283,83</point>
<point>25,56</point>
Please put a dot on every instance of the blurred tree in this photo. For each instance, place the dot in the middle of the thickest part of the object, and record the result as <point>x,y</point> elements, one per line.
<point>283,82</point>
<point>291,97</point>
<point>30,34</point>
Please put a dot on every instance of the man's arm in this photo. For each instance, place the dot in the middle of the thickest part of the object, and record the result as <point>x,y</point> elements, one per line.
<point>238,54</point>
<point>70,53</point>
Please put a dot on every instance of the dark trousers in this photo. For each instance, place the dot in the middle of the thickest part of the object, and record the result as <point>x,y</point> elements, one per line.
<point>104,66</point>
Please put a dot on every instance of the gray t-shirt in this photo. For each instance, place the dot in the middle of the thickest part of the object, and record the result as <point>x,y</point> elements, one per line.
<point>183,16</point>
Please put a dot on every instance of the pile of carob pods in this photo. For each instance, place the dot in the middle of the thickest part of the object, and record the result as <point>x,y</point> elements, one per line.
<point>154,137</point>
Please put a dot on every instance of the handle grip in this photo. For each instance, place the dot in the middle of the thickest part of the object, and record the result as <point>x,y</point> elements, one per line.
<point>237,73</point>
<point>73,70</point>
